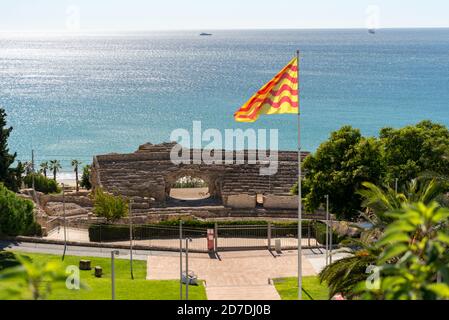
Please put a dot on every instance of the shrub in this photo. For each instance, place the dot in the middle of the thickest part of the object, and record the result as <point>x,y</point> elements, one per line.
<point>41,183</point>
<point>85,178</point>
<point>109,206</point>
<point>16,215</point>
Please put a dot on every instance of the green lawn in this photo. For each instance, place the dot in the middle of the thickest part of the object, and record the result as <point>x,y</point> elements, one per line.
<point>312,289</point>
<point>100,289</point>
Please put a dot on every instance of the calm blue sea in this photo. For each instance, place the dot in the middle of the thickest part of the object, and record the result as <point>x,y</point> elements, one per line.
<point>73,96</point>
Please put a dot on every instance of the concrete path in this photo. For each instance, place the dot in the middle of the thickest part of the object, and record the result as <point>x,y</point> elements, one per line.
<point>236,275</point>
<point>77,250</point>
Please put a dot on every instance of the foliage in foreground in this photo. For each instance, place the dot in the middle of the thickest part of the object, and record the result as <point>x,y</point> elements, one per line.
<point>379,201</point>
<point>16,215</point>
<point>33,280</point>
<point>414,263</point>
<point>109,206</point>
<point>345,275</point>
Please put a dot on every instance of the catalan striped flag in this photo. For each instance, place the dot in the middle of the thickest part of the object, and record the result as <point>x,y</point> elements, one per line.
<point>278,96</point>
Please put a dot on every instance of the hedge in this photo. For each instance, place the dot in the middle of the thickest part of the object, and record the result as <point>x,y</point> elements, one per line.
<point>41,183</point>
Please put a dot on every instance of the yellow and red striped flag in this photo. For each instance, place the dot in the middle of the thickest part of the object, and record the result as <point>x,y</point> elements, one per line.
<point>278,96</point>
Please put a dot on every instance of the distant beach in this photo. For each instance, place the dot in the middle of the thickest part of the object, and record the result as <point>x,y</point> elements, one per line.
<point>71,97</point>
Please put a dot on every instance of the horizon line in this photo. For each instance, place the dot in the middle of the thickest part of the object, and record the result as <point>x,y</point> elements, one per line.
<point>216,29</point>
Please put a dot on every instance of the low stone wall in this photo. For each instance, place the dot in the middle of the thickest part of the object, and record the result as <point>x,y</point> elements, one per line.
<point>81,199</point>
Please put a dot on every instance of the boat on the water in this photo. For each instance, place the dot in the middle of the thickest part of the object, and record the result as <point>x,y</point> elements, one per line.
<point>205,34</point>
<point>372,31</point>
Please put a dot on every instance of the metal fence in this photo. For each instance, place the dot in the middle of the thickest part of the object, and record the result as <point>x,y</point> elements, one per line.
<point>161,237</point>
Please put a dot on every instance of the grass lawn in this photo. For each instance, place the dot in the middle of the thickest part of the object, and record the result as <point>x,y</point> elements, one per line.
<point>312,289</point>
<point>100,289</point>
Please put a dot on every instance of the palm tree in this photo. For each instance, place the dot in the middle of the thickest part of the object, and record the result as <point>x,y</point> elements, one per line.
<point>55,166</point>
<point>379,201</point>
<point>344,275</point>
<point>75,165</point>
<point>28,167</point>
<point>44,168</point>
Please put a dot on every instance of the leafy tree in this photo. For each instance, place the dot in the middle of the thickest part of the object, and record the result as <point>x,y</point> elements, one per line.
<point>55,166</point>
<point>344,161</point>
<point>413,150</point>
<point>20,170</point>
<point>44,168</point>
<point>414,264</point>
<point>7,175</point>
<point>75,165</point>
<point>16,215</point>
<point>85,178</point>
<point>338,168</point>
<point>109,206</point>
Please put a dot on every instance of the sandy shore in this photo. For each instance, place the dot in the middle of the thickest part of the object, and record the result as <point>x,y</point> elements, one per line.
<point>67,182</point>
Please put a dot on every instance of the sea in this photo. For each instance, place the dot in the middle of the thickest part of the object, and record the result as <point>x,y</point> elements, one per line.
<point>72,96</point>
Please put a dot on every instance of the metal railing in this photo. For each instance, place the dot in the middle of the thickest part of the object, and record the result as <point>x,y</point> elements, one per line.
<point>164,237</point>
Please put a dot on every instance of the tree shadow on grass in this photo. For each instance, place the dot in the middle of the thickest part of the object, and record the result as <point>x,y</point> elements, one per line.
<point>7,260</point>
<point>305,291</point>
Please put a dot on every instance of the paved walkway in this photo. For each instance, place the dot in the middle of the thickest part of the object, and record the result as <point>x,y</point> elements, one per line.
<point>236,275</point>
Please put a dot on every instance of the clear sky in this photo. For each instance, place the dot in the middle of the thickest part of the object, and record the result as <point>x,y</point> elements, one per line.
<point>58,15</point>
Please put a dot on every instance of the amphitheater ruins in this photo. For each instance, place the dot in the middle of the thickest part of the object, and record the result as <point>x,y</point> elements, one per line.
<point>148,175</point>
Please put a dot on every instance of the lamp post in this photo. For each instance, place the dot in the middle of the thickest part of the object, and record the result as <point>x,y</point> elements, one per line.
<point>331,238</point>
<point>113,254</point>
<point>327,228</point>
<point>65,221</point>
<point>32,176</point>
<point>180,258</point>
<point>131,238</point>
<point>187,267</point>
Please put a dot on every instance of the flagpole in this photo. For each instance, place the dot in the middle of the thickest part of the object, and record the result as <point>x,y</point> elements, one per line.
<point>299,194</point>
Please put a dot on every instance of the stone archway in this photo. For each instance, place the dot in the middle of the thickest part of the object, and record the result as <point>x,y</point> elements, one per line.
<point>209,178</point>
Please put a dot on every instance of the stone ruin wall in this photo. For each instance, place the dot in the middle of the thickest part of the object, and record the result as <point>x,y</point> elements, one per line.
<point>148,174</point>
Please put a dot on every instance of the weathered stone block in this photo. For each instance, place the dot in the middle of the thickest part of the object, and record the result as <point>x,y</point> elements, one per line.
<point>280,202</point>
<point>85,265</point>
<point>241,201</point>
